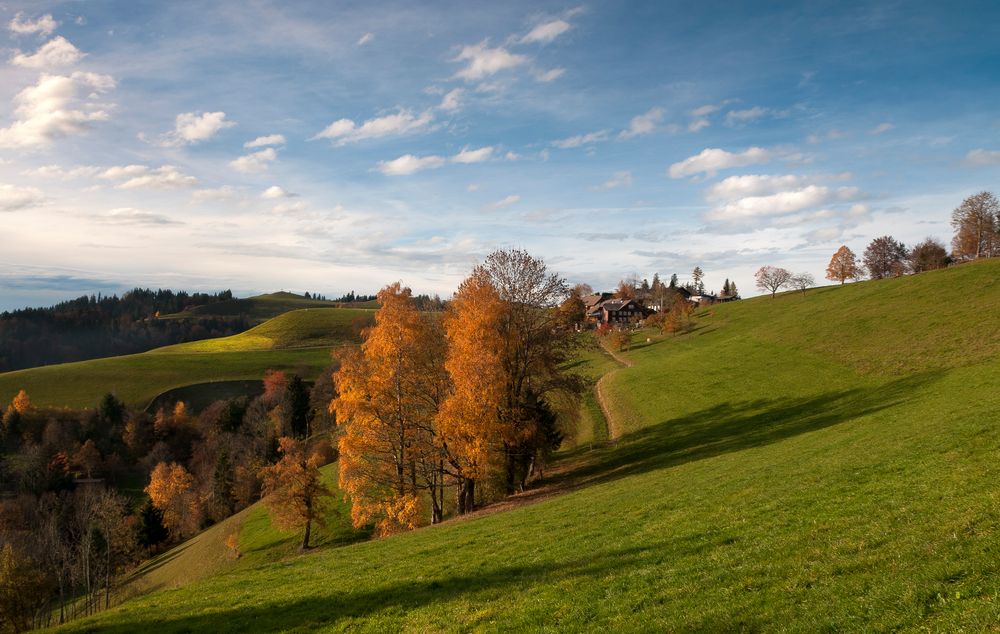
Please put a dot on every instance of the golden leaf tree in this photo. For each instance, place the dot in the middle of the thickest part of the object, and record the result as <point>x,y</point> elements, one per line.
<point>21,402</point>
<point>843,266</point>
<point>293,488</point>
<point>508,346</point>
<point>171,490</point>
<point>469,420</point>
<point>389,391</point>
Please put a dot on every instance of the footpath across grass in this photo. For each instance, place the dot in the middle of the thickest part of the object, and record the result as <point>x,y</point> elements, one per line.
<point>826,462</point>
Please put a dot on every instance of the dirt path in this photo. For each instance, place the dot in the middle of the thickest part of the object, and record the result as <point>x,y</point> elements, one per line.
<point>614,429</point>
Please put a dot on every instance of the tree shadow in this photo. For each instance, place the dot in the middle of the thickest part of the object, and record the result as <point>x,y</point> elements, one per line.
<point>336,603</point>
<point>729,427</point>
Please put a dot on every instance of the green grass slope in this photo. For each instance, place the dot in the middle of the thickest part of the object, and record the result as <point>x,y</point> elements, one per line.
<point>303,328</point>
<point>207,554</point>
<point>826,462</point>
<point>299,341</point>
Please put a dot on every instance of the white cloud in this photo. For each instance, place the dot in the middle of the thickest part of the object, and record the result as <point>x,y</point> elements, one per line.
<point>274,191</point>
<point>618,179</point>
<point>484,61</point>
<point>472,187</point>
<point>481,155</point>
<point>698,124</point>
<point>882,127</point>
<point>404,122</point>
<point>133,216</point>
<point>13,198</point>
<point>165,177</point>
<point>643,124</point>
<point>190,127</point>
<point>506,201</point>
<point>56,52</point>
<point>781,203</point>
<point>452,100</point>
<point>546,32</point>
<point>62,173</point>
<point>704,111</point>
<point>255,161</point>
<point>982,157</point>
<point>752,185</point>
<point>582,139</point>
<point>123,171</point>
<point>365,39</point>
<point>711,160</point>
<point>409,164</point>
<point>289,207</point>
<point>264,141</point>
<point>737,117</point>
<point>55,107</point>
<point>549,75</point>
<point>21,25</point>
<point>218,193</point>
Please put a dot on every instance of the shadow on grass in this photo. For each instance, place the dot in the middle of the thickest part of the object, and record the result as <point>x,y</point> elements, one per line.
<point>338,604</point>
<point>729,427</point>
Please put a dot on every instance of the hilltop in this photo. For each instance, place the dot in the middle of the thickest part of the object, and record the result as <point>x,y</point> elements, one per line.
<point>299,341</point>
<point>822,461</point>
<point>260,307</point>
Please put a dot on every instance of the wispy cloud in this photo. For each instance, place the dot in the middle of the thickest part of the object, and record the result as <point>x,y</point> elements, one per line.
<point>546,32</point>
<point>981,157</point>
<point>403,122</point>
<point>582,139</point>
<point>482,61</point>
<point>643,124</point>
<point>710,160</point>
<point>265,141</point>
<point>254,162</point>
<point>14,198</point>
<point>506,201</point>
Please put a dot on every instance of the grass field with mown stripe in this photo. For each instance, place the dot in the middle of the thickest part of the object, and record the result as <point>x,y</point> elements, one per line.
<point>817,462</point>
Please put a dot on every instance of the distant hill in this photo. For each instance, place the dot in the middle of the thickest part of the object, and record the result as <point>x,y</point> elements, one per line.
<point>823,461</point>
<point>300,341</point>
<point>263,307</point>
<point>103,326</point>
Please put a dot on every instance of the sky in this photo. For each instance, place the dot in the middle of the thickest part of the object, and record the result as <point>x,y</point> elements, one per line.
<point>336,146</point>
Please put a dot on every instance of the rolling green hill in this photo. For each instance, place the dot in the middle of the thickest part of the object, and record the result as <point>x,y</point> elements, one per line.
<point>260,307</point>
<point>299,341</point>
<point>817,462</point>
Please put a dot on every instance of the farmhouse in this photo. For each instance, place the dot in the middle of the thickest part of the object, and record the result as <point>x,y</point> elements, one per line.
<point>603,308</point>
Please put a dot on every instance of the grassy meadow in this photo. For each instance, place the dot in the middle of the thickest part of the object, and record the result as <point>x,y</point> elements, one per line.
<point>261,307</point>
<point>299,341</point>
<point>819,462</point>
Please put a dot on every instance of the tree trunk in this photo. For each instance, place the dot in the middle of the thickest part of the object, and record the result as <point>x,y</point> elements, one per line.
<point>305,537</point>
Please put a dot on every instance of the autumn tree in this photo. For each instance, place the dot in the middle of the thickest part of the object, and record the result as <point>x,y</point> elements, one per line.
<point>843,266</point>
<point>885,257</point>
<point>626,289</point>
<point>21,402</point>
<point>802,281</point>
<point>389,391</point>
<point>171,489</point>
<point>23,590</point>
<point>293,489</point>
<point>771,278</point>
<point>620,339</point>
<point>928,255</point>
<point>977,227</point>
<point>534,353</point>
<point>88,458</point>
<point>470,420</point>
<point>573,311</point>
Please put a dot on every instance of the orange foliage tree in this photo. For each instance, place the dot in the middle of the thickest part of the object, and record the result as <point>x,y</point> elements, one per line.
<point>293,488</point>
<point>21,402</point>
<point>389,392</point>
<point>469,420</point>
<point>843,266</point>
<point>171,489</point>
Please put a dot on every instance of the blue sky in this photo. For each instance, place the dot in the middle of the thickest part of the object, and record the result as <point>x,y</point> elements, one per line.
<point>336,146</point>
